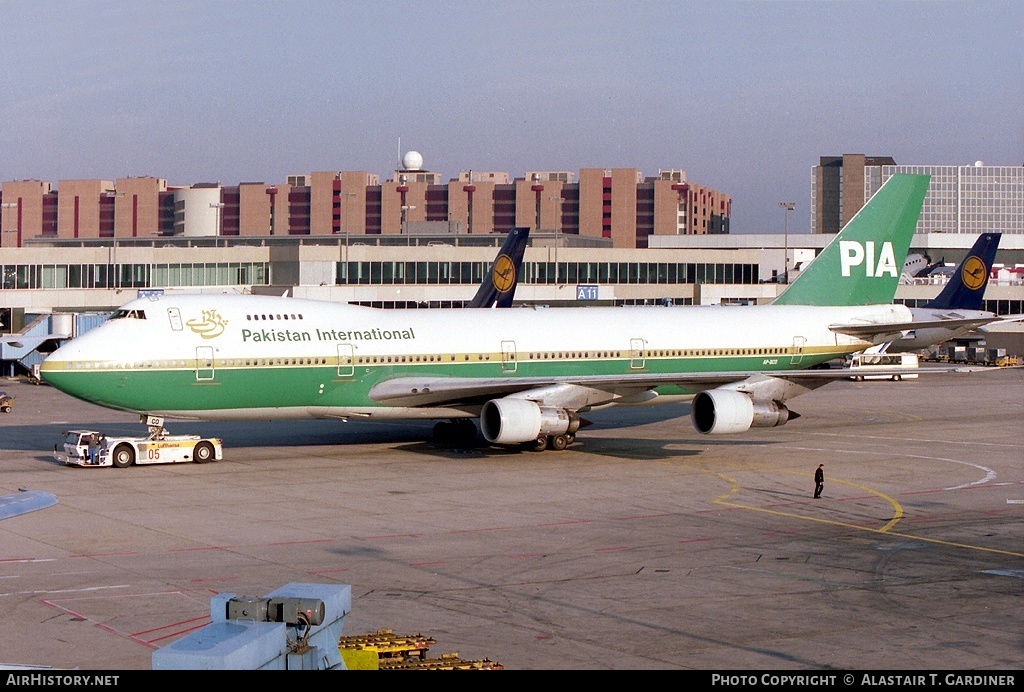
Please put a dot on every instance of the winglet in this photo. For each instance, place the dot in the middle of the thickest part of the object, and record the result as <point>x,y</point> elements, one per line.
<point>966,287</point>
<point>862,264</point>
<point>499,286</point>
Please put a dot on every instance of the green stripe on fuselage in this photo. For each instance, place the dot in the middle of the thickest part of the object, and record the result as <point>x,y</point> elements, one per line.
<point>147,389</point>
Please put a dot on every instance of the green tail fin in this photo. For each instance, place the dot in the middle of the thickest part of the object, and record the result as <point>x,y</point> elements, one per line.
<point>862,264</point>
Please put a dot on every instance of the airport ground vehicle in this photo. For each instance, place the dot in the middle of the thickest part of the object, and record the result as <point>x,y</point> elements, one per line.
<point>862,366</point>
<point>5,402</point>
<point>156,448</point>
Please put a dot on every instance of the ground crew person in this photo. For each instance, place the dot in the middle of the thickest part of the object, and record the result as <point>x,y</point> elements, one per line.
<point>94,446</point>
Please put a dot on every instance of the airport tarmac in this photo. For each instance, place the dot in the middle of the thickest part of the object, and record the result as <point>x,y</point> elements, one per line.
<point>643,546</point>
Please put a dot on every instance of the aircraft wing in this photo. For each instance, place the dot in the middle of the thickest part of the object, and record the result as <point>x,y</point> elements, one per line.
<point>1004,319</point>
<point>450,391</point>
<point>25,501</point>
<point>890,331</point>
<point>579,392</point>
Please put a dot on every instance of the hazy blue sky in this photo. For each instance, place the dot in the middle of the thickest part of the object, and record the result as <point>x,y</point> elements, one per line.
<point>744,96</point>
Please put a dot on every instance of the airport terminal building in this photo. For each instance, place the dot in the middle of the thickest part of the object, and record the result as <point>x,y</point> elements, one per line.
<point>597,236</point>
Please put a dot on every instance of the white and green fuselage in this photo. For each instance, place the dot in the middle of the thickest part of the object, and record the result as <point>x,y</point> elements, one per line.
<point>266,357</point>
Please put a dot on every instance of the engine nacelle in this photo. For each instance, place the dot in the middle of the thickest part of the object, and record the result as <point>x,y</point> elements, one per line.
<point>724,411</point>
<point>511,420</point>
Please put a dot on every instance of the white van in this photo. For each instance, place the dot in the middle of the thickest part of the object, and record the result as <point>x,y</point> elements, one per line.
<point>866,366</point>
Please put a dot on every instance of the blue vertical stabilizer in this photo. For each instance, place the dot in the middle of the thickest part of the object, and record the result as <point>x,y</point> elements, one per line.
<point>966,287</point>
<point>499,285</point>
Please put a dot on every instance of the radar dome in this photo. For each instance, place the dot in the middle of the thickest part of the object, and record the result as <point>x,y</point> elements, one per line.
<point>412,161</point>
<point>978,164</point>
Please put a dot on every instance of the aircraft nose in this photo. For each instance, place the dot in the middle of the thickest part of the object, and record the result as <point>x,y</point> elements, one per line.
<point>62,353</point>
<point>61,360</point>
<point>49,364</point>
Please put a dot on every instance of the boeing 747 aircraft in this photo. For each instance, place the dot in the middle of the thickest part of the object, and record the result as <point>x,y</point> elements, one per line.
<point>526,374</point>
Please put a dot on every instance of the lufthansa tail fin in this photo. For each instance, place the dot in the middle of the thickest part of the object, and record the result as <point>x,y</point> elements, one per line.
<point>499,285</point>
<point>966,287</point>
<point>862,264</point>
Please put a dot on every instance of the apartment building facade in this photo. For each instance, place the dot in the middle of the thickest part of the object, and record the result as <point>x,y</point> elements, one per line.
<point>617,204</point>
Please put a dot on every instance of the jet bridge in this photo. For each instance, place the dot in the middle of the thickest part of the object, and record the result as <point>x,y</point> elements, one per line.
<point>21,347</point>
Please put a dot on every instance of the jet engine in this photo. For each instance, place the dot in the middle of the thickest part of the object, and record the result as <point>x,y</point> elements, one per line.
<point>512,420</point>
<point>723,411</point>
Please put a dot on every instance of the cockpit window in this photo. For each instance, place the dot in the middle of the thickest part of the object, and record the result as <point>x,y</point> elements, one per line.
<point>121,314</point>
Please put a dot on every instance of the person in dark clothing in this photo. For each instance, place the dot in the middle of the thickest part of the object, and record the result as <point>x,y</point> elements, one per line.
<point>819,480</point>
<point>94,446</point>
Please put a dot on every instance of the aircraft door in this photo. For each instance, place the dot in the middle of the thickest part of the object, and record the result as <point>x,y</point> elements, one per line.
<point>509,362</point>
<point>797,354</point>
<point>636,354</point>
<point>204,363</point>
<point>174,315</point>
<point>346,360</point>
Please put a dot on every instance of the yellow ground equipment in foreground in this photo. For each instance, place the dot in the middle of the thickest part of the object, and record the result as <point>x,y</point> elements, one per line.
<point>387,651</point>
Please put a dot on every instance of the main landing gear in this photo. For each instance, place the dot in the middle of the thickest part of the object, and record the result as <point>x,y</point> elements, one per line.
<point>555,442</point>
<point>462,432</point>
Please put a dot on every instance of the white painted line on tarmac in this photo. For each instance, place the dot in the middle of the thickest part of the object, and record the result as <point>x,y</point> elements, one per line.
<point>47,591</point>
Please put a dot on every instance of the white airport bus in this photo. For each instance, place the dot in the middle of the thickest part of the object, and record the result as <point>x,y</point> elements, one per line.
<point>865,366</point>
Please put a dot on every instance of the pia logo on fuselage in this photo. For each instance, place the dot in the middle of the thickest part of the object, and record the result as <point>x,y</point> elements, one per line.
<point>504,274</point>
<point>974,273</point>
<point>853,254</point>
<point>210,326</point>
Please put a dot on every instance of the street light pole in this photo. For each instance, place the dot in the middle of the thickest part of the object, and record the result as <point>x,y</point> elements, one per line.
<point>218,206</point>
<point>344,219</point>
<point>788,206</point>
<point>558,210</point>
<point>406,208</point>
<point>12,205</point>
